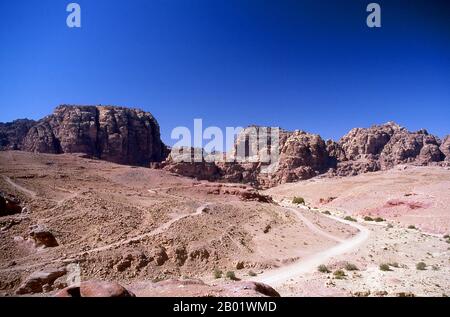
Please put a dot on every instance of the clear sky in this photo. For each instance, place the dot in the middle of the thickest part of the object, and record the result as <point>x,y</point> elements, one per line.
<point>310,65</point>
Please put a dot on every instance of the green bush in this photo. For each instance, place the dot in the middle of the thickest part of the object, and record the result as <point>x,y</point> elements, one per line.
<point>251,273</point>
<point>339,274</point>
<point>390,225</point>
<point>230,275</point>
<point>421,266</point>
<point>326,212</point>
<point>385,267</point>
<point>351,267</point>
<point>323,269</point>
<point>367,218</point>
<point>379,219</point>
<point>349,218</point>
<point>298,201</point>
<point>447,236</point>
<point>395,264</point>
<point>411,227</point>
<point>217,273</point>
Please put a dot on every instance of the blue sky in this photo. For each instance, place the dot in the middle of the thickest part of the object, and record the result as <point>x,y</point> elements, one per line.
<point>310,65</point>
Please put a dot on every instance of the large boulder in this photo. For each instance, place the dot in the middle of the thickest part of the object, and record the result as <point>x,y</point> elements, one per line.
<point>40,280</point>
<point>95,288</point>
<point>43,237</point>
<point>9,205</point>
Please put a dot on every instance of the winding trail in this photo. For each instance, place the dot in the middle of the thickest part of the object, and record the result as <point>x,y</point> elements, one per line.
<point>18,187</point>
<point>119,243</point>
<point>283,274</point>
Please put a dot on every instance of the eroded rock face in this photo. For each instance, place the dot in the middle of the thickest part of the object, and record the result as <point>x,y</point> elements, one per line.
<point>299,155</point>
<point>115,134</point>
<point>13,133</point>
<point>303,155</point>
<point>445,147</point>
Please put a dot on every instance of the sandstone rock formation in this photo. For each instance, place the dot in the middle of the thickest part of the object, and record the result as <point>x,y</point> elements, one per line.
<point>302,155</point>
<point>13,133</point>
<point>43,237</point>
<point>119,135</point>
<point>40,281</point>
<point>445,147</point>
<point>132,136</point>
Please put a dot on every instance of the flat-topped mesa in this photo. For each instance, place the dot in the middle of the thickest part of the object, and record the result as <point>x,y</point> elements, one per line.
<point>116,134</point>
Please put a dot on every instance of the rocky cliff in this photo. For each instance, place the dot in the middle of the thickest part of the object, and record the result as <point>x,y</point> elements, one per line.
<point>115,134</point>
<point>303,155</point>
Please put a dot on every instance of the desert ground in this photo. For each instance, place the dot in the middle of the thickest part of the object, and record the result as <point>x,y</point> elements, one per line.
<point>141,227</point>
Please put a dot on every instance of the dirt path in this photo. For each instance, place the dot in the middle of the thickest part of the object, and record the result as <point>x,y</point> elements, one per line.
<point>19,188</point>
<point>311,226</point>
<point>72,257</point>
<point>282,275</point>
<point>158,230</point>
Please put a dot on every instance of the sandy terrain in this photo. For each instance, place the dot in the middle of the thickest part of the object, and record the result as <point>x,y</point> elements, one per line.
<point>405,196</point>
<point>138,226</point>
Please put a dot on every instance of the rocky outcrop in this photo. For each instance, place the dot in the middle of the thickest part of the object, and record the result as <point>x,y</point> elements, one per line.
<point>42,237</point>
<point>115,134</point>
<point>9,205</point>
<point>95,289</point>
<point>13,133</point>
<point>302,155</point>
<point>40,281</point>
<point>445,148</point>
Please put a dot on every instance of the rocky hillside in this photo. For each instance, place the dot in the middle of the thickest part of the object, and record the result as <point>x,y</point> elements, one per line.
<point>303,155</point>
<point>115,134</point>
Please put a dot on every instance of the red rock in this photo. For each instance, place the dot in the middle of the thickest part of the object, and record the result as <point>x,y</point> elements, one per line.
<point>95,289</point>
<point>36,281</point>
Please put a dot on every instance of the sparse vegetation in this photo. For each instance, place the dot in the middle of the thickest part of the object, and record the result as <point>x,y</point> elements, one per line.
<point>251,273</point>
<point>385,267</point>
<point>298,201</point>
<point>349,218</point>
<point>447,236</point>
<point>421,266</point>
<point>412,227</point>
<point>323,269</point>
<point>368,218</point>
<point>326,212</point>
<point>339,274</point>
<point>217,273</point>
<point>351,267</point>
<point>379,219</point>
<point>390,225</point>
<point>435,267</point>
<point>230,275</point>
<point>395,264</point>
